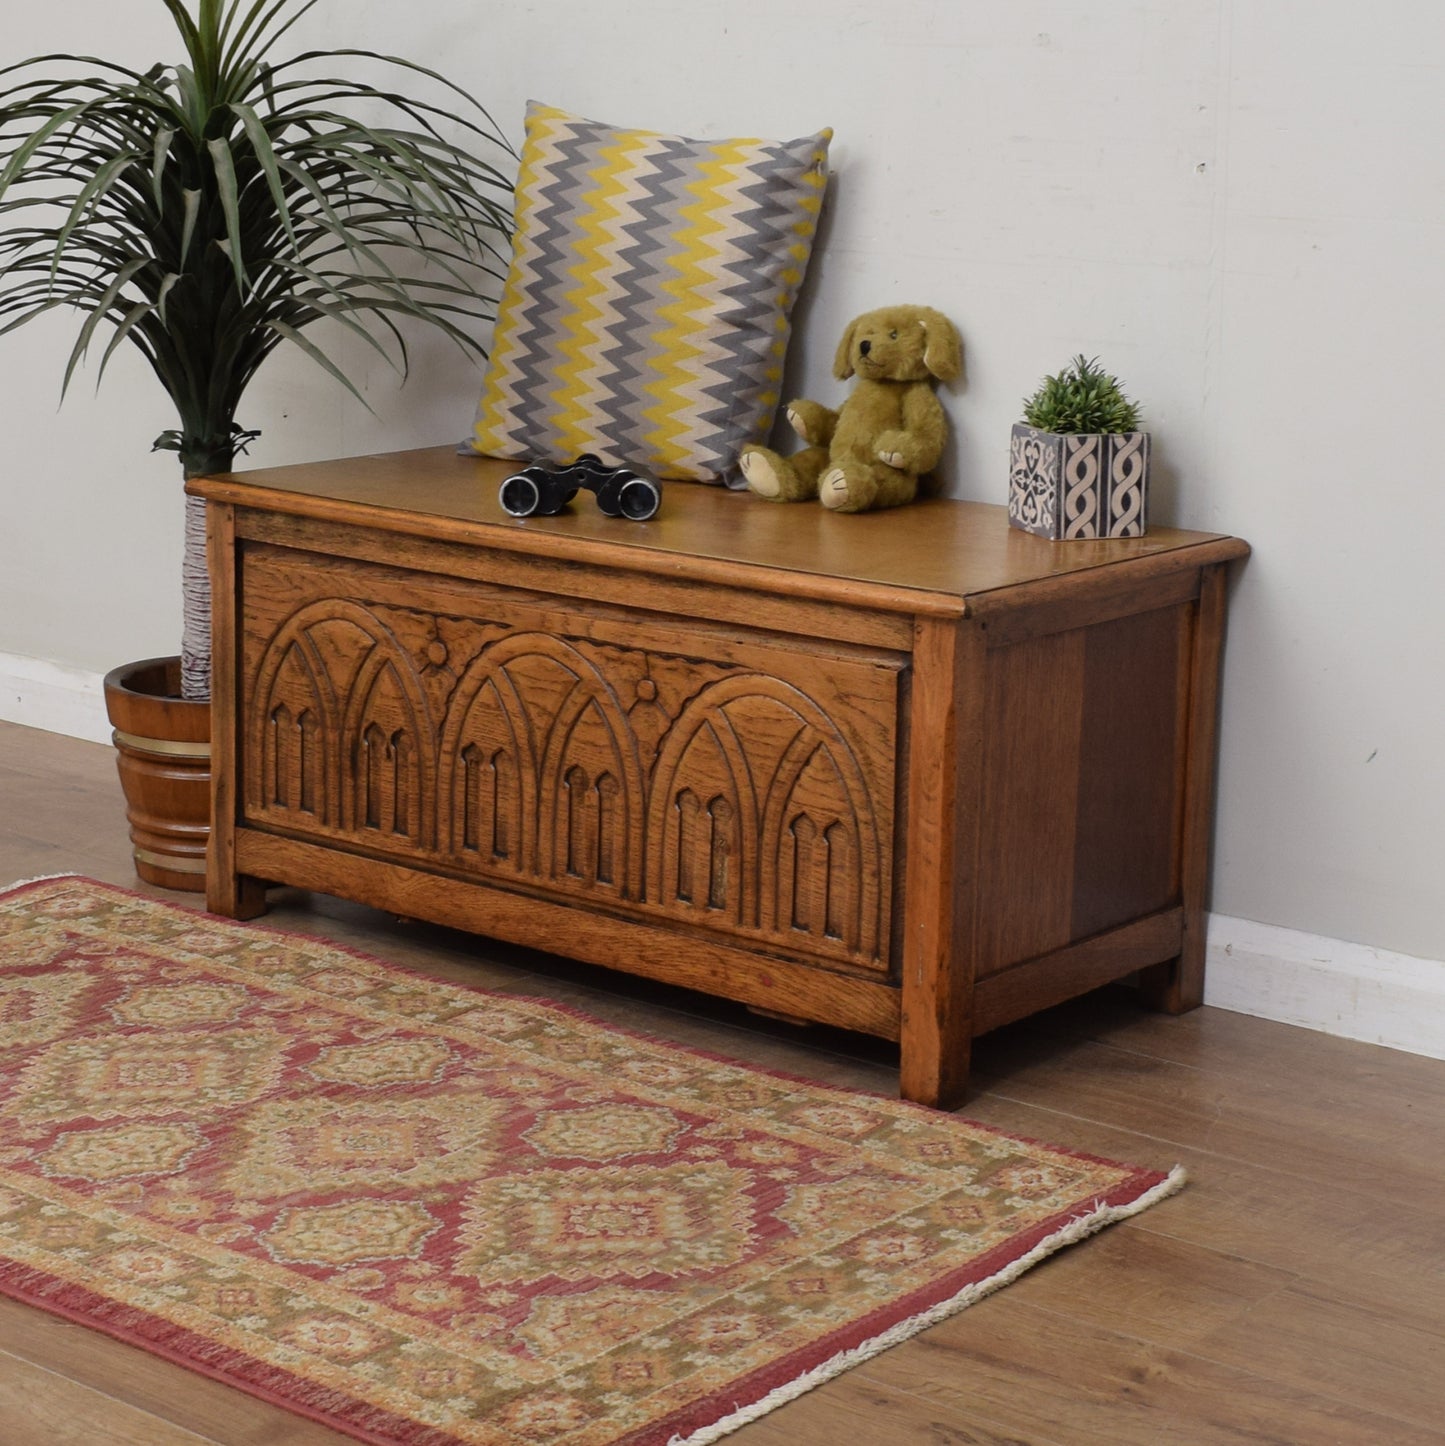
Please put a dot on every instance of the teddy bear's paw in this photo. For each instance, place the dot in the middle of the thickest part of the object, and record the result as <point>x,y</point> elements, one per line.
<point>837,494</point>
<point>891,450</point>
<point>812,421</point>
<point>761,476</point>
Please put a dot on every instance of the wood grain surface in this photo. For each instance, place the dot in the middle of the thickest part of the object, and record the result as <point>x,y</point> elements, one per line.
<point>929,556</point>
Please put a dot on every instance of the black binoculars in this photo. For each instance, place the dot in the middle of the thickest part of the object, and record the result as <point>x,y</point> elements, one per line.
<point>545,488</point>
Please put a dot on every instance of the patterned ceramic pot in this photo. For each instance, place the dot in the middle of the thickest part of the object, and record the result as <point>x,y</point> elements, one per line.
<point>1068,485</point>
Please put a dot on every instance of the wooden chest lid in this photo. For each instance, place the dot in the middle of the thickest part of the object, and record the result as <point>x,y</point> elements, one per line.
<point>934,556</point>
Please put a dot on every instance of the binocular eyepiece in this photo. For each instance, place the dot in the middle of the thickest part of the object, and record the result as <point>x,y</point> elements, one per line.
<point>544,489</point>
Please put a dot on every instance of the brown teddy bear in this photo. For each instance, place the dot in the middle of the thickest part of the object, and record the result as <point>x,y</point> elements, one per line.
<point>887,434</point>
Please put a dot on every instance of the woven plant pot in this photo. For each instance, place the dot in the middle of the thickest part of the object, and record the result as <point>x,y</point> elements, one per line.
<point>1068,485</point>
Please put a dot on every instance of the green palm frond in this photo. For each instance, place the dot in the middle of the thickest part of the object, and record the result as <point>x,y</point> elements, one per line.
<point>210,211</point>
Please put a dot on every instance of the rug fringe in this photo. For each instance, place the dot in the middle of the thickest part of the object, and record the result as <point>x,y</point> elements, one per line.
<point>39,879</point>
<point>1079,1228</point>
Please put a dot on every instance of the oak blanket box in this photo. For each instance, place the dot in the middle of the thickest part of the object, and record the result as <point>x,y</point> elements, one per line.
<point>912,773</point>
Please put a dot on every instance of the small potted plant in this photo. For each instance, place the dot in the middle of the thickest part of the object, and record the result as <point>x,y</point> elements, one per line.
<point>1079,465</point>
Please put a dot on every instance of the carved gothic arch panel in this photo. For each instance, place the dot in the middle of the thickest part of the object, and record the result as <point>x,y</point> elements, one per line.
<point>388,743</point>
<point>806,824</point>
<point>553,733</point>
<point>294,729</point>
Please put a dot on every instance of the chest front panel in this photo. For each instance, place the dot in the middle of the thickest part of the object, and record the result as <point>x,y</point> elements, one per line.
<point>733,781</point>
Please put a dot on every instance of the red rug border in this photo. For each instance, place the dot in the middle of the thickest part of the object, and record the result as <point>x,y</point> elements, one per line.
<point>238,1370</point>
<point>218,1368</point>
<point>989,1268</point>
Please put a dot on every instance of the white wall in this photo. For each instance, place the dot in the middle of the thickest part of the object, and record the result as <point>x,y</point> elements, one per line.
<point>1238,207</point>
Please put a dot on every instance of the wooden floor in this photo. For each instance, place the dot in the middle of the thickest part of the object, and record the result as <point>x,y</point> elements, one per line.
<point>1294,1293</point>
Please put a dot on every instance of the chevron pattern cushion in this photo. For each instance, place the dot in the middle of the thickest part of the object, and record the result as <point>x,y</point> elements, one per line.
<point>645,313</point>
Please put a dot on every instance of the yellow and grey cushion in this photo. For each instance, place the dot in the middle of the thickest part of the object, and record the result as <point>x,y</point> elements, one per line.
<point>645,312</point>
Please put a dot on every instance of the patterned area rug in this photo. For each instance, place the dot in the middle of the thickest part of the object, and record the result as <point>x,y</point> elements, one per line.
<point>428,1215</point>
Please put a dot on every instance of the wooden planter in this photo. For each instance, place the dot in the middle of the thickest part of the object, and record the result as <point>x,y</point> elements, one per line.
<point>1067,485</point>
<point>163,746</point>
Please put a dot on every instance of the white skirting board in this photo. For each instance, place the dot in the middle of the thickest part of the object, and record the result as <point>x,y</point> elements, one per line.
<point>1331,985</point>
<point>1326,984</point>
<point>55,698</point>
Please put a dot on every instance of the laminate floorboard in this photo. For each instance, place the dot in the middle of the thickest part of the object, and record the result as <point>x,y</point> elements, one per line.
<point>1292,1294</point>
<point>42,1407</point>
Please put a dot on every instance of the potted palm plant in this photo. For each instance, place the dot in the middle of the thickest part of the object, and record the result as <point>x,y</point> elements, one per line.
<point>209,212</point>
<point>1079,465</point>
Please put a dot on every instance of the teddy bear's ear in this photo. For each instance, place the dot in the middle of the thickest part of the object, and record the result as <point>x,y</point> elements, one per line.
<point>942,350</point>
<point>843,361</point>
